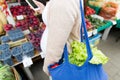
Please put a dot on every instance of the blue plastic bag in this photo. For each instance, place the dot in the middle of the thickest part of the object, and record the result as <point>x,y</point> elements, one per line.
<point>68,71</point>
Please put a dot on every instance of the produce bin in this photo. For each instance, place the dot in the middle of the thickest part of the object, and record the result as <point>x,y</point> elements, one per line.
<point>17,53</point>
<point>28,49</point>
<point>95,39</point>
<point>107,25</point>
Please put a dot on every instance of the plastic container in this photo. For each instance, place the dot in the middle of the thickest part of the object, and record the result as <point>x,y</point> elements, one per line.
<point>107,25</point>
<point>28,49</point>
<point>17,53</point>
<point>5,39</point>
<point>4,47</point>
<point>15,35</point>
<point>6,57</point>
<point>95,39</point>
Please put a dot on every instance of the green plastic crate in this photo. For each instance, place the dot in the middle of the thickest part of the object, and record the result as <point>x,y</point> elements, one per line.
<point>97,9</point>
<point>118,23</point>
<point>107,25</point>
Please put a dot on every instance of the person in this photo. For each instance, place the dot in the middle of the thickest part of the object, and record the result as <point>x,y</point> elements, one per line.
<point>63,20</point>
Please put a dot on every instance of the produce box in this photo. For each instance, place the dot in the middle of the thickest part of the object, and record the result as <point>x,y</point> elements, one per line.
<point>95,39</point>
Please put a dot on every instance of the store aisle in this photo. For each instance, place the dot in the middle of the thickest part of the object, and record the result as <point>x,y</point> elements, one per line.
<point>110,47</point>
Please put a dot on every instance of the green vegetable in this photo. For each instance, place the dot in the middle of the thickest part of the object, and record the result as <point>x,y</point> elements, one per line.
<point>79,54</point>
<point>6,73</point>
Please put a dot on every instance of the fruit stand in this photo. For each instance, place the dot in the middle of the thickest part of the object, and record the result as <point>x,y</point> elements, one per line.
<point>21,31</point>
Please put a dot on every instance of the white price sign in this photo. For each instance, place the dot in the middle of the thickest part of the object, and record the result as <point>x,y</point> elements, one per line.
<point>95,32</point>
<point>27,61</point>
<point>90,33</point>
<point>20,17</point>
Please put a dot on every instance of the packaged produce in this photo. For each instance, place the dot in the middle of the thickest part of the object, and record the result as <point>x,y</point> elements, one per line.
<point>17,53</point>
<point>4,39</point>
<point>4,47</point>
<point>6,57</point>
<point>108,10</point>
<point>16,34</point>
<point>28,49</point>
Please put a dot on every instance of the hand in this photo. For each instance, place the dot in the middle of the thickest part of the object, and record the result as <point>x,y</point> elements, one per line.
<point>40,5</point>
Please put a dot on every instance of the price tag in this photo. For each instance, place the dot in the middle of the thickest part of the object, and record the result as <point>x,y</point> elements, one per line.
<point>90,33</point>
<point>95,32</point>
<point>20,17</point>
<point>26,32</point>
<point>27,61</point>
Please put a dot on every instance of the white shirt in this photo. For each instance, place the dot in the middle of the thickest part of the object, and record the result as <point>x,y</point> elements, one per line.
<point>43,43</point>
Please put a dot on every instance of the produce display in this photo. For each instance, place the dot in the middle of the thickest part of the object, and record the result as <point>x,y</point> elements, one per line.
<point>5,39</point>
<point>6,57</point>
<point>95,22</point>
<point>109,10</point>
<point>79,54</point>
<point>17,53</point>
<point>21,10</point>
<point>30,22</point>
<point>16,34</point>
<point>8,27</point>
<point>6,73</point>
<point>28,49</point>
<point>89,11</point>
<point>88,24</point>
<point>35,39</point>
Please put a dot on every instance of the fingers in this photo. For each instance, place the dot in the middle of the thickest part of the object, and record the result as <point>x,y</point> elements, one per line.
<point>39,4</point>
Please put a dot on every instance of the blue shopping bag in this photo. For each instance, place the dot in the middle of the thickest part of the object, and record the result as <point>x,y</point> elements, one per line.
<point>88,71</point>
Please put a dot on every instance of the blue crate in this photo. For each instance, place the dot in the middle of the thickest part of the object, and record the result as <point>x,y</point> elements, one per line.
<point>28,49</point>
<point>5,39</point>
<point>17,53</point>
<point>4,47</point>
<point>95,39</point>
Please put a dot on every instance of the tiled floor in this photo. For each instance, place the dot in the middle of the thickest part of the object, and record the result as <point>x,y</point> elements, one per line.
<point>110,47</point>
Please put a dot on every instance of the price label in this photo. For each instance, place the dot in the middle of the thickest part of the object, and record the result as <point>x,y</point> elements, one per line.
<point>90,33</point>
<point>26,32</point>
<point>20,17</point>
<point>95,32</point>
<point>27,61</point>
